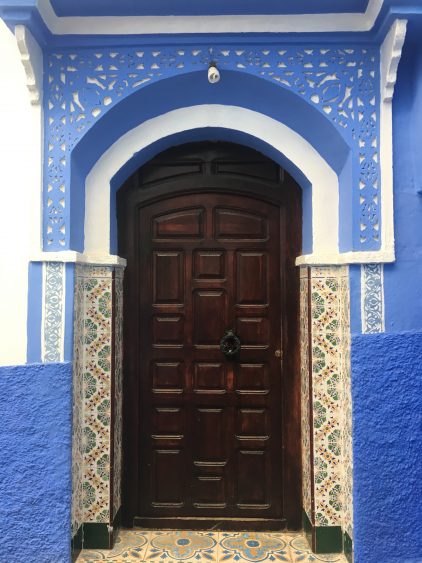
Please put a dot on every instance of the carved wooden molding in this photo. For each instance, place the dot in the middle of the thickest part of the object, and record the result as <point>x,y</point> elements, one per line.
<point>32,60</point>
<point>391,50</point>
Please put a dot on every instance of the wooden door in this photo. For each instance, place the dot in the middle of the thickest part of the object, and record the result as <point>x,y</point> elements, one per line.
<point>210,427</point>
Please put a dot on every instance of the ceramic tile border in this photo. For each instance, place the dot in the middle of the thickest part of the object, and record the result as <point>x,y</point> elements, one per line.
<point>326,403</point>
<point>307,492</point>
<point>97,360</point>
<point>78,399</point>
<point>347,450</point>
<point>372,298</point>
<point>118,389</point>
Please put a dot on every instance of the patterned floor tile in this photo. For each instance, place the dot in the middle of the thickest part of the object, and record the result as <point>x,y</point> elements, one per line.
<point>253,547</point>
<point>131,545</point>
<point>184,546</point>
<point>300,552</point>
<point>208,547</point>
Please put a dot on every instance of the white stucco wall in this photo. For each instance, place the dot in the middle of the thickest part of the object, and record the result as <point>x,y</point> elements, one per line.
<point>20,189</point>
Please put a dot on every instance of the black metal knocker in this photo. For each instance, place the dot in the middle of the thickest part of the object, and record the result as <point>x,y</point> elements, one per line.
<point>230,344</point>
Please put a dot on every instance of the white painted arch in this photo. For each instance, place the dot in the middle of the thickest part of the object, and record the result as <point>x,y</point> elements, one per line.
<point>323,179</point>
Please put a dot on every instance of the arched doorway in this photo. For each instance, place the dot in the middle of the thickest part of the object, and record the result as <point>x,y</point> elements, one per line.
<point>210,232</point>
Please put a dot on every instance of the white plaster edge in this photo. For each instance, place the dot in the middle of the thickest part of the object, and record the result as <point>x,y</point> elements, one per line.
<point>324,181</point>
<point>70,256</point>
<point>382,300</point>
<point>63,305</point>
<point>32,61</point>
<point>271,23</point>
<point>43,286</point>
<point>391,50</point>
<point>390,53</point>
<point>343,258</point>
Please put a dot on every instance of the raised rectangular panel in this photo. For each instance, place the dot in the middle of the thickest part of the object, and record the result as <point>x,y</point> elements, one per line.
<point>168,277</point>
<point>209,317</point>
<point>168,330</point>
<point>251,468</point>
<point>252,378</point>
<point>182,224</point>
<point>209,378</point>
<point>251,278</point>
<point>239,225</point>
<point>209,492</point>
<point>209,435</point>
<point>167,376</point>
<point>209,264</point>
<point>251,170</point>
<point>252,423</point>
<point>168,478</point>
<point>167,421</point>
<point>253,331</point>
<point>154,173</point>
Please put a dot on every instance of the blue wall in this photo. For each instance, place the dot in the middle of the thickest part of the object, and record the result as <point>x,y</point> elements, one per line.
<point>35,452</point>
<point>403,295</point>
<point>387,368</point>
<point>387,407</point>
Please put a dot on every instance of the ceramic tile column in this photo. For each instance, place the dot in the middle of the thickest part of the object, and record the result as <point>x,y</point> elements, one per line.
<point>326,412</point>
<point>97,365</point>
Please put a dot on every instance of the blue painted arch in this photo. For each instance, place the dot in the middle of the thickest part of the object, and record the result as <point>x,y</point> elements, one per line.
<point>235,89</point>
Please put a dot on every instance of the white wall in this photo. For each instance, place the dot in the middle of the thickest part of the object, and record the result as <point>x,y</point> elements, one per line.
<point>20,189</point>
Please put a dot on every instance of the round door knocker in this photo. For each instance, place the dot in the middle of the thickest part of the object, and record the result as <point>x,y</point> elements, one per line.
<point>230,344</point>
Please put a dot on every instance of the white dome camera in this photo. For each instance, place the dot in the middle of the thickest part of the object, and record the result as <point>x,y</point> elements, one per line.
<point>213,74</point>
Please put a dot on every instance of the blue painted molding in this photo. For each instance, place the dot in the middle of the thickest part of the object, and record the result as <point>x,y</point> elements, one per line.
<point>205,7</point>
<point>83,87</point>
<point>25,12</point>
<point>36,454</point>
<point>35,287</point>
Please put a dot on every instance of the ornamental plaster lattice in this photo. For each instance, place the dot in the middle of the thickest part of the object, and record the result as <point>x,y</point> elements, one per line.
<point>343,84</point>
<point>372,298</point>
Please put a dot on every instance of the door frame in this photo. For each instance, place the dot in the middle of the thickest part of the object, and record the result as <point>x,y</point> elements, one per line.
<point>287,196</point>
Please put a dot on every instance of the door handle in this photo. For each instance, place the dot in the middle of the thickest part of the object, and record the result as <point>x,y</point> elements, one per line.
<point>230,344</point>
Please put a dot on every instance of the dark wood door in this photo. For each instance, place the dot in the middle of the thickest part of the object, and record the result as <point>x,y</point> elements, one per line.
<point>210,434</point>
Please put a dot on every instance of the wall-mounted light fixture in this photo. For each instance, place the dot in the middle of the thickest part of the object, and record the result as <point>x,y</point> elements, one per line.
<point>213,73</point>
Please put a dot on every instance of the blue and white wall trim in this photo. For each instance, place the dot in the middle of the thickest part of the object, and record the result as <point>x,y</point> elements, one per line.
<point>91,110</point>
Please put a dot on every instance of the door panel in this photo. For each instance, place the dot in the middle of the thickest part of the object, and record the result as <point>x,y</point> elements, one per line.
<point>205,434</point>
<point>215,423</point>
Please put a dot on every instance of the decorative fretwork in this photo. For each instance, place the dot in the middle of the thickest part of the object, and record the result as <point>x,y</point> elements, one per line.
<point>343,84</point>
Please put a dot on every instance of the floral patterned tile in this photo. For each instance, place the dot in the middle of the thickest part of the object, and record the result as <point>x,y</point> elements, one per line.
<point>193,547</point>
<point>179,545</point>
<point>253,547</point>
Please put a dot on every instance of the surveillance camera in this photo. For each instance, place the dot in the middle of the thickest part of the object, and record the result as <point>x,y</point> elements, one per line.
<point>213,74</point>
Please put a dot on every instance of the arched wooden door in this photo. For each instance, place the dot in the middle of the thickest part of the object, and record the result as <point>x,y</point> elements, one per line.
<point>211,434</point>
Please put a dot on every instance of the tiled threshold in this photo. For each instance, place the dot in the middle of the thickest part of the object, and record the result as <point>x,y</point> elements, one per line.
<point>213,547</point>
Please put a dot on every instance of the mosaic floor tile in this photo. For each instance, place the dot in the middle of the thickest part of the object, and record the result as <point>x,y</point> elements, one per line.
<point>131,545</point>
<point>253,547</point>
<point>207,547</point>
<point>300,552</point>
<point>183,546</point>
